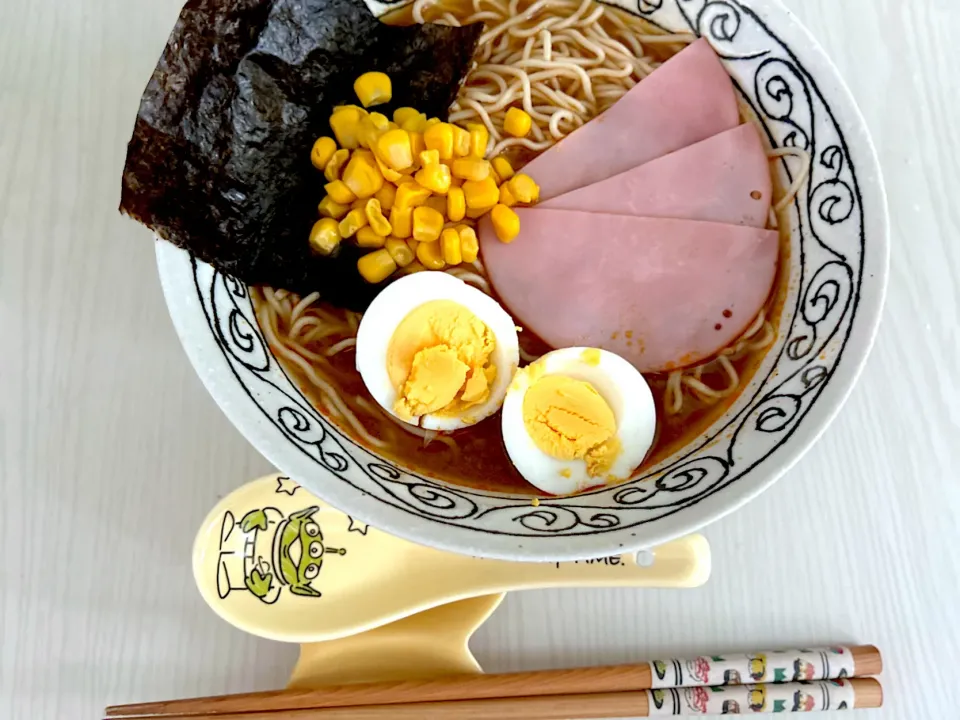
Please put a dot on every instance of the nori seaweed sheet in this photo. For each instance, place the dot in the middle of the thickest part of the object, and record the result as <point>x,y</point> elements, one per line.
<point>219,161</point>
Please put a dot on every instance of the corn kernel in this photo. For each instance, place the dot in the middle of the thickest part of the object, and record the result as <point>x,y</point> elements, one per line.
<point>386,195</point>
<point>371,127</point>
<point>373,88</point>
<point>375,217</point>
<point>338,108</point>
<point>450,247</point>
<point>401,220</point>
<point>405,179</point>
<point>469,244</point>
<point>524,189</point>
<point>339,191</point>
<point>431,121</point>
<point>411,195</point>
<point>380,121</point>
<point>359,204</point>
<point>475,213</point>
<point>352,221</point>
<point>506,223</point>
<point>430,255</point>
<point>413,267</point>
<point>416,144</point>
<point>479,137</point>
<point>506,197</point>
<point>461,141</point>
<point>367,237</point>
<point>439,137</point>
<point>414,123</point>
<point>345,123</point>
<point>502,167</point>
<point>393,147</point>
<point>376,266</point>
<point>402,114</point>
<point>456,205</point>
<point>429,157</point>
<point>367,134</point>
<point>438,203</point>
<point>427,224</point>
<point>325,236</point>
<point>435,178</point>
<point>471,168</point>
<point>334,166</point>
<point>400,252</point>
<point>517,122</point>
<point>413,245</point>
<point>481,193</point>
<point>362,174</point>
<point>321,152</point>
<point>389,174</point>
<point>329,208</point>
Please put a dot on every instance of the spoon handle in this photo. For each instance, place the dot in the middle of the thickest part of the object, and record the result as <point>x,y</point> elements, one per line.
<point>680,563</point>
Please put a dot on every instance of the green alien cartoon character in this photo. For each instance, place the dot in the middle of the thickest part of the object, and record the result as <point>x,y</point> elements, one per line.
<point>264,552</point>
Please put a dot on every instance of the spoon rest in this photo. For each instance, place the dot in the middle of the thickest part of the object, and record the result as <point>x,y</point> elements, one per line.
<point>425,645</point>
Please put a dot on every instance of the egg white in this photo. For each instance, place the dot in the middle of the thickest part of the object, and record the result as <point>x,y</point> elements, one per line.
<point>621,386</point>
<point>398,300</point>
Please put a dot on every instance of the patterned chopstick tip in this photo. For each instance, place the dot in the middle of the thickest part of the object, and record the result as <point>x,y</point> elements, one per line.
<point>830,663</point>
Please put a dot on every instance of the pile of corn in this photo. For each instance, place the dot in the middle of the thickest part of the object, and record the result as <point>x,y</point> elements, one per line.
<point>412,188</point>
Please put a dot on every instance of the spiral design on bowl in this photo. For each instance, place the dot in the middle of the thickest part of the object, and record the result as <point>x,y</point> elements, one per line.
<point>428,497</point>
<point>234,325</point>
<point>720,21</point>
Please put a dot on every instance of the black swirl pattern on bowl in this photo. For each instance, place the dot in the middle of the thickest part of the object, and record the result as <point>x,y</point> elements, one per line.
<point>827,253</point>
<point>648,7</point>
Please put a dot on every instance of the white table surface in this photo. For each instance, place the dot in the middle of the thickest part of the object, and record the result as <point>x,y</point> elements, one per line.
<point>113,452</point>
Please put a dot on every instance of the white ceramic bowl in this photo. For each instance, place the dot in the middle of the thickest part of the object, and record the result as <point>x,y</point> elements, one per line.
<point>838,270</point>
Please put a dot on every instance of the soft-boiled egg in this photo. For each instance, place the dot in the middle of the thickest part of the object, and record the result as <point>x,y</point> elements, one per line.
<point>577,418</point>
<point>436,352</point>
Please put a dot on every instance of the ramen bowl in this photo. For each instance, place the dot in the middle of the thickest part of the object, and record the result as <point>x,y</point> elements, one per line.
<point>834,277</point>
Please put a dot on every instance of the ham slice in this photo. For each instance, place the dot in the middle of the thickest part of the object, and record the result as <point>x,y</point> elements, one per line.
<point>663,293</point>
<point>686,100</point>
<point>723,179</point>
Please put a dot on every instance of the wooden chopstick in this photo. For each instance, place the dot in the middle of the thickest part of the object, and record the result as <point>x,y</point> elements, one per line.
<point>610,680</point>
<point>868,693</point>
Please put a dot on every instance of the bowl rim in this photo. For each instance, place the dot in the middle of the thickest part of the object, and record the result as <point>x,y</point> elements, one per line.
<point>173,265</point>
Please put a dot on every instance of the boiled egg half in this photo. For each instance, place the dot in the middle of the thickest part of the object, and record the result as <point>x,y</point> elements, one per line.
<point>436,352</point>
<point>578,418</point>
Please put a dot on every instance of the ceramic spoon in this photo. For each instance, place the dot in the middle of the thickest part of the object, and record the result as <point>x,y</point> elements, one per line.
<point>277,562</point>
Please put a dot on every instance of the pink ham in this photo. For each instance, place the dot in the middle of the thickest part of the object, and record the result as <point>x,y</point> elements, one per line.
<point>724,179</point>
<point>662,293</point>
<point>688,99</point>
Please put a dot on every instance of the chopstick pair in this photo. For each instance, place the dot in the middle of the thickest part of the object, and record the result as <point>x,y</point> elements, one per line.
<point>791,681</point>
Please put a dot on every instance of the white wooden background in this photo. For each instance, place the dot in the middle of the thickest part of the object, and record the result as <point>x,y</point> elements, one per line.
<point>112,451</point>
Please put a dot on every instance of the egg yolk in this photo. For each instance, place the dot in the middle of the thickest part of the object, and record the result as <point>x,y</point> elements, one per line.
<point>439,361</point>
<point>569,420</point>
